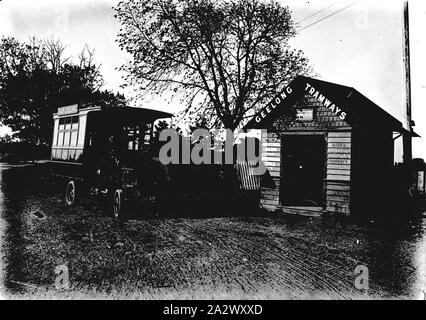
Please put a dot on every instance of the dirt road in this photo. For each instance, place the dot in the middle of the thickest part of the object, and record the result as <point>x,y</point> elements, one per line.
<point>229,256</point>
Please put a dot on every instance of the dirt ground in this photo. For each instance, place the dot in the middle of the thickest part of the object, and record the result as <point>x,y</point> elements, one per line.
<point>187,256</point>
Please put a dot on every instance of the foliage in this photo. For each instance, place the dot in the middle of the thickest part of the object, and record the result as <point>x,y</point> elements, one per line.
<point>36,78</point>
<point>224,59</point>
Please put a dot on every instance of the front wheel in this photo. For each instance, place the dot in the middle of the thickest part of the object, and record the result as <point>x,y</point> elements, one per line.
<point>71,193</point>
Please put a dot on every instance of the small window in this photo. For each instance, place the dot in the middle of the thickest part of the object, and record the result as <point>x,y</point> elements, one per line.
<point>68,123</point>
<point>68,131</point>
<point>74,123</point>
<point>62,124</point>
<point>146,138</point>
<point>73,138</point>
<point>67,138</point>
<point>138,136</point>
<point>60,139</point>
<point>147,135</point>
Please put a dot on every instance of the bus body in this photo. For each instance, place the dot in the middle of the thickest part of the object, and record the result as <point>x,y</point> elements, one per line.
<point>106,151</point>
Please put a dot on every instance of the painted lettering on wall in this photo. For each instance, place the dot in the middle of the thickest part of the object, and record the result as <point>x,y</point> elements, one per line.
<point>326,102</point>
<point>277,101</point>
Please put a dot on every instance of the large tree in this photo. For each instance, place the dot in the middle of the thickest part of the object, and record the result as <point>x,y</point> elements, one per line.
<point>224,59</point>
<point>36,78</point>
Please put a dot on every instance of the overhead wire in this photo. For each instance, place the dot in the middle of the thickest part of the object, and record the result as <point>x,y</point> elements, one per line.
<point>328,16</point>
<point>318,12</point>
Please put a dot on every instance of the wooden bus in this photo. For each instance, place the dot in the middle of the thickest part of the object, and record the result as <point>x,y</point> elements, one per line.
<point>107,152</point>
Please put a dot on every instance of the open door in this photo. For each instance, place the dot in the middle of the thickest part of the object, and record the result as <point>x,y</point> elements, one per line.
<point>303,168</point>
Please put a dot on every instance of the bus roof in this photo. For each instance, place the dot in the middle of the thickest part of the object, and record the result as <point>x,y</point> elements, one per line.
<point>140,113</point>
<point>117,113</point>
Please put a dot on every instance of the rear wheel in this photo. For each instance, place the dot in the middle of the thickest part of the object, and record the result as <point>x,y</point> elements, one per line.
<point>117,206</point>
<point>71,193</point>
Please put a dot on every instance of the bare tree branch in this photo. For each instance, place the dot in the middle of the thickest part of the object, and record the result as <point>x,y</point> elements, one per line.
<point>234,53</point>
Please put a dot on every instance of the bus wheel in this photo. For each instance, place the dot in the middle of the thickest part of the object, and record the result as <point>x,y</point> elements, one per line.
<point>117,206</point>
<point>71,193</point>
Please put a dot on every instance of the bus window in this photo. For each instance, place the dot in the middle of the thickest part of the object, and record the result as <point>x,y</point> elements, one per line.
<point>61,129</point>
<point>62,124</point>
<point>68,132</point>
<point>132,137</point>
<point>138,137</point>
<point>82,120</point>
<point>74,123</point>
<point>146,138</point>
<point>147,134</point>
<point>60,138</point>
<point>55,132</point>
<point>73,138</point>
<point>68,123</point>
<point>66,138</point>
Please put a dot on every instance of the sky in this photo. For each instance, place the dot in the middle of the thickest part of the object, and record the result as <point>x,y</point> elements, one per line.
<point>358,44</point>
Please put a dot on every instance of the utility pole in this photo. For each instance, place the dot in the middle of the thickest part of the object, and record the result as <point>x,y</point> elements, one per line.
<point>407,137</point>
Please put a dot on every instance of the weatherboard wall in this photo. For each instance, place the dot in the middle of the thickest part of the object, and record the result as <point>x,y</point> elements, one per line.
<point>337,175</point>
<point>338,172</point>
<point>271,157</point>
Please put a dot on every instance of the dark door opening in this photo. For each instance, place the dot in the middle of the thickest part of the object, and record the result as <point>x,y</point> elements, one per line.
<point>303,170</point>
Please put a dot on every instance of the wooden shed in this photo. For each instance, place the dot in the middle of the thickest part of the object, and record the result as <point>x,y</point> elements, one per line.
<point>337,156</point>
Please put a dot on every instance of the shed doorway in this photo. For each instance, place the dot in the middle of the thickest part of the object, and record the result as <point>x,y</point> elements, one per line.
<point>303,167</point>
